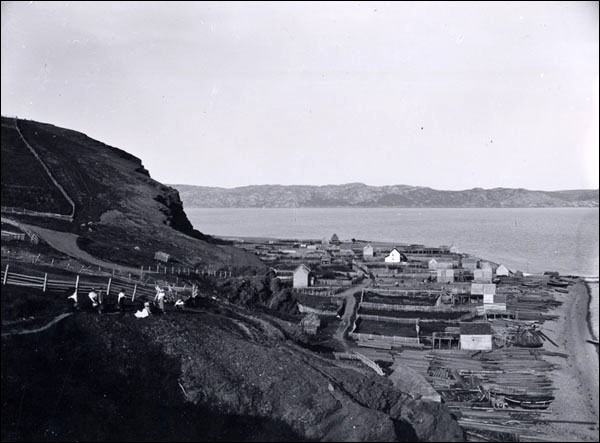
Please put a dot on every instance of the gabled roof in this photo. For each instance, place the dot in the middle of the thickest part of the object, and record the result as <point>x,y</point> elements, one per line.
<point>476,328</point>
<point>301,267</point>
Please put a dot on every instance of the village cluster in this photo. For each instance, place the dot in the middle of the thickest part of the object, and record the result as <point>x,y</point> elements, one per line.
<point>438,291</point>
<point>438,322</point>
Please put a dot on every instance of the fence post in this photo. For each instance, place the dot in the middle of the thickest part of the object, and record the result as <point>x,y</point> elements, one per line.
<point>108,287</point>
<point>5,276</point>
<point>134,291</point>
<point>45,282</point>
<point>77,283</point>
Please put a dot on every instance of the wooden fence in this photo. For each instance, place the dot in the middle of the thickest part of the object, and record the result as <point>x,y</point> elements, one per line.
<point>32,235</point>
<point>309,310</point>
<point>319,290</point>
<point>393,340</point>
<point>132,290</point>
<point>411,308</point>
<point>154,271</point>
<point>8,235</point>
<point>405,292</point>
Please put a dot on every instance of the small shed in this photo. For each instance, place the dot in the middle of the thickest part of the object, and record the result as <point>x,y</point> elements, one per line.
<point>476,336</point>
<point>368,252</point>
<point>441,263</point>
<point>482,275</point>
<point>326,259</point>
<point>301,276</point>
<point>470,263</point>
<point>445,275</point>
<point>161,256</point>
<point>488,290</point>
<point>502,271</point>
<point>310,323</point>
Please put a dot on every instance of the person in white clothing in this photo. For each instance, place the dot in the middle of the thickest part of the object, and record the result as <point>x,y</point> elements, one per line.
<point>93,296</point>
<point>73,297</point>
<point>144,312</point>
<point>120,298</point>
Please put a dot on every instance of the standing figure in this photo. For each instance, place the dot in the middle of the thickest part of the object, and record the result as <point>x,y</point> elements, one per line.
<point>159,299</point>
<point>120,299</point>
<point>73,297</point>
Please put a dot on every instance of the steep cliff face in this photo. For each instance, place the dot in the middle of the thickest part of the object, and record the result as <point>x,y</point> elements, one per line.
<point>121,213</point>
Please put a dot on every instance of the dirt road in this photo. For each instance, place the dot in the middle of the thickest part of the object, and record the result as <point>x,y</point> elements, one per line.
<point>66,243</point>
<point>349,308</point>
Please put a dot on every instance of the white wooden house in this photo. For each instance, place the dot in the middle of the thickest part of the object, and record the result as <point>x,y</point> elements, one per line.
<point>368,252</point>
<point>394,256</point>
<point>502,271</point>
<point>476,336</point>
<point>301,277</point>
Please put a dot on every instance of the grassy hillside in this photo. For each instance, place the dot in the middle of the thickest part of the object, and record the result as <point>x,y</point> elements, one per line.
<point>121,213</point>
<point>34,190</point>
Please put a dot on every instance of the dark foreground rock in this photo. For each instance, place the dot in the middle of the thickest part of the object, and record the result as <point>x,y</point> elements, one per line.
<point>201,376</point>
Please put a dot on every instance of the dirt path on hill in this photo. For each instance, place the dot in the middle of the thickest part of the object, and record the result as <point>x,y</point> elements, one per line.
<point>66,243</point>
<point>43,328</point>
<point>348,295</point>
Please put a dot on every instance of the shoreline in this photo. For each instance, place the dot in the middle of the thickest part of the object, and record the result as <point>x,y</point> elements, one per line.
<point>576,376</point>
<point>589,315</point>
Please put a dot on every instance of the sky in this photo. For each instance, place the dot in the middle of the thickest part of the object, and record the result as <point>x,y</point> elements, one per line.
<point>445,95</point>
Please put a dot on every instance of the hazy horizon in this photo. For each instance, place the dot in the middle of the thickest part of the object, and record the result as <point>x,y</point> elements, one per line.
<point>451,96</point>
<point>384,185</point>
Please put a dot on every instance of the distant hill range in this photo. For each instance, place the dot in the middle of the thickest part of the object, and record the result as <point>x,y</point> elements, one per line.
<point>361,195</point>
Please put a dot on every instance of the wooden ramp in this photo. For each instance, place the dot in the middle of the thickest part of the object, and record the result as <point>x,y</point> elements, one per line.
<point>410,381</point>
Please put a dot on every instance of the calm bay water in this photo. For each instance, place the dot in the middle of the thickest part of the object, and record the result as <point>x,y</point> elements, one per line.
<point>531,240</point>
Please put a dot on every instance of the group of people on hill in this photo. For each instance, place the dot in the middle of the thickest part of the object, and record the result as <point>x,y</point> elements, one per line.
<point>96,301</point>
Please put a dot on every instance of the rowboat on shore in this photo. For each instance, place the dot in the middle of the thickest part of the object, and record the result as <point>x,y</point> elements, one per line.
<point>527,402</point>
<point>558,283</point>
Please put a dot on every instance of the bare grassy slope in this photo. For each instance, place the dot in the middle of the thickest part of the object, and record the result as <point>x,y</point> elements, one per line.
<point>118,205</point>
